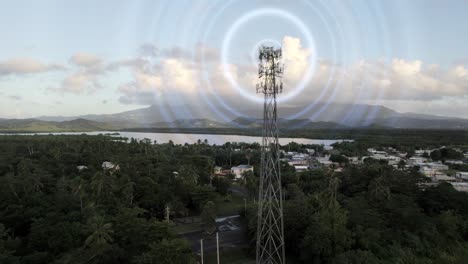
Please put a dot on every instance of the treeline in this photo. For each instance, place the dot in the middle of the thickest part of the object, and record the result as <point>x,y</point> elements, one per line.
<point>369,136</point>
<point>50,212</point>
<point>372,214</point>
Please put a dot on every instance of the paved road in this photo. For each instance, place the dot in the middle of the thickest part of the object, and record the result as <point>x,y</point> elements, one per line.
<point>231,234</point>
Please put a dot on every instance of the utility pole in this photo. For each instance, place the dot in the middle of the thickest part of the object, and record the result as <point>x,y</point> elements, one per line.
<point>270,234</point>
<point>168,212</point>
<point>201,250</point>
<point>217,247</point>
<point>245,207</point>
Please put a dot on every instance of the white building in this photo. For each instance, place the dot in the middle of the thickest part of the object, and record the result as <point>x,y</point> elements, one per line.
<point>354,160</point>
<point>297,162</point>
<point>300,168</point>
<point>238,170</point>
<point>310,151</point>
<point>437,166</point>
<point>460,186</point>
<point>461,175</point>
<point>421,152</point>
<point>429,172</point>
<point>81,167</point>
<point>444,177</point>
<point>454,162</point>
<point>416,161</point>
<point>109,166</point>
<point>217,170</point>
<point>299,156</point>
<point>393,160</point>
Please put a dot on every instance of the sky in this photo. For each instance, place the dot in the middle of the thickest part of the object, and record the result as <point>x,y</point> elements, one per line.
<point>68,58</point>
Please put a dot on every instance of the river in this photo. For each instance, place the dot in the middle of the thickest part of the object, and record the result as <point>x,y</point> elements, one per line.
<point>181,138</point>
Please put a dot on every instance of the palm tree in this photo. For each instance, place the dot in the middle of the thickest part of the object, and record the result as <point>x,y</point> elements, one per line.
<point>128,189</point>
<point>101,232</point>
<point>79,189</point>
<point>100,237</point>
<point>379,188</point>
<point>100,183</point>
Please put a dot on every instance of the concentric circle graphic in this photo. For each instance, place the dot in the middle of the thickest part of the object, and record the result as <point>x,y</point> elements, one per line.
<point>334,34</point>
<point>226,46</point>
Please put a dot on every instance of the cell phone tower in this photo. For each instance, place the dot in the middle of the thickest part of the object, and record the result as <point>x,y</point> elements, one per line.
<point>270,234</point>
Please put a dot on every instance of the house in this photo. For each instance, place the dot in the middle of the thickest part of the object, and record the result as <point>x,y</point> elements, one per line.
<point>109,166</point>
<point>416,161</point>
<point>81,167</point>
<point>461,175</point>
<point>238,170</point>
<point>437,166</point>
<point>460,186</point>
<point>429,172</point>
<point>354,160</point>
<point>402,154</point>
<point>298,162</point>
<point>299,156</point>
<point>327,147</point>
<point>393,160</point>
<point>443,177</point>
<point>217,170</point>
<point>421,152</point>
<point>310,151</point>
<point>454,162</point>
<point>300,168</point>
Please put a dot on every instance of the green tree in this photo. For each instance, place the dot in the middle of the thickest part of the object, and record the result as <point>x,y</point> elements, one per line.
<point>174,251</point>
<point>208,217</point>
<point>100,233</point>
<point>221,184</point>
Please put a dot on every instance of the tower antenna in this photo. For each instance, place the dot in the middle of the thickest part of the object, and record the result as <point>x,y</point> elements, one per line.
<point>270,234</point>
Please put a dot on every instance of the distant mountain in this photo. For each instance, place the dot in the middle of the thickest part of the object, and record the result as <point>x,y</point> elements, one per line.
<point>422,123</point>
<point>335,115</point>
<point>36,125</point>
<point>283,123</point>
<point>191,123</point>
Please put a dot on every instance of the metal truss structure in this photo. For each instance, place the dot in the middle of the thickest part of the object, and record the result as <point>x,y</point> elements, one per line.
<point>270,234</point>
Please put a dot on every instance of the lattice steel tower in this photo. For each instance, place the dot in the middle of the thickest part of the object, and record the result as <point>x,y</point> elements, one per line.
<point>270,234</point>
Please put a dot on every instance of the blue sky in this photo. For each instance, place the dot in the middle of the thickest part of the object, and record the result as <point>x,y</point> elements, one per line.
<point>55,56</point>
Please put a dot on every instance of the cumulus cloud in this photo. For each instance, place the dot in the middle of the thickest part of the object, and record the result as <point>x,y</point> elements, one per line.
<point>178,71</point>
<point>26,66</point>
<point>170,76</point>
<point>85,60</point>
<point>296,58</point>
<point>181,73</point>
<point>84,76</point>
<point>79,83</point>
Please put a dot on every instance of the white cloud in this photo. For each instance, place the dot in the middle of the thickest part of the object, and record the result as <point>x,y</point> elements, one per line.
<point>85,59</point>
<point>176,71</point>
<point>406,68</point>
<point>25,66</point>
<point>296,59</point>
<point>84,77</point>
<point>170,76</point>
<point>79,83</point>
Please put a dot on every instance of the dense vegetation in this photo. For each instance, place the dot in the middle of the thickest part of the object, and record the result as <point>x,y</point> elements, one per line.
<point>50,212</point>
<point>373,214</point>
